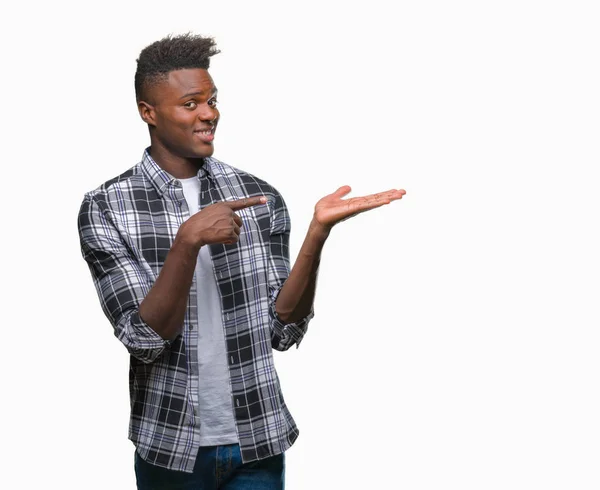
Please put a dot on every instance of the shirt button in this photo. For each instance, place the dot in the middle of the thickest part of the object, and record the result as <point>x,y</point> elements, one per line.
<point>191,327</point>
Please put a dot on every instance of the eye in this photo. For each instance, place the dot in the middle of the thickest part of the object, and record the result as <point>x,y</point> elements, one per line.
<point>212,102</point>
<point>190,105</point>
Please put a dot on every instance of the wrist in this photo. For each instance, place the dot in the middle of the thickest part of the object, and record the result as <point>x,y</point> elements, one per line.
<point>185,245</point>
<point>318,230</point>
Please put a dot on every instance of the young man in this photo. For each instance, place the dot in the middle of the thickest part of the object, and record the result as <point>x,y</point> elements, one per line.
<point>190,260</point>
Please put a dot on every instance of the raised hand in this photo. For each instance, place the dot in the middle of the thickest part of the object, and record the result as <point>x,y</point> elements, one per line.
<point>217,223</point>
<point>332,209</point>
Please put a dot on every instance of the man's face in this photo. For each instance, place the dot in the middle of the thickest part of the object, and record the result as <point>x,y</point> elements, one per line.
<point>184,116</point>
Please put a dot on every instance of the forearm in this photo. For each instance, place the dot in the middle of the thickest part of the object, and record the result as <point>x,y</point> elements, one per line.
<point>296,297</point>
<point>164,307</point>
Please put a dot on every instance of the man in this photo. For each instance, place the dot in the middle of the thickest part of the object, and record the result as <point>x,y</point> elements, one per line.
<point>190,260</point>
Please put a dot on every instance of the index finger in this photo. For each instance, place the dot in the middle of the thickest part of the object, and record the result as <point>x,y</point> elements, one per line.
<point>246,202</point>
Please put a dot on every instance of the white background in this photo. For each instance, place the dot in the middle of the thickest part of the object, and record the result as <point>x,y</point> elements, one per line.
<point>455,343</point>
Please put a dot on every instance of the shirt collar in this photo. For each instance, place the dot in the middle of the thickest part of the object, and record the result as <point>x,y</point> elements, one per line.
<point>160,178</point>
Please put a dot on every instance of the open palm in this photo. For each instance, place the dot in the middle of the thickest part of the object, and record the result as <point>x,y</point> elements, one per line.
<point>332,209</point>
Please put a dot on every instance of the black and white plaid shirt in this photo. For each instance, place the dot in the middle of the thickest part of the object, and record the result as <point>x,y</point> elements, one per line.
<point>126,227</point>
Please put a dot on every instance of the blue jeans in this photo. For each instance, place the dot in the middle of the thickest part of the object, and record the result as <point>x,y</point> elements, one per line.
<point>216,467</point>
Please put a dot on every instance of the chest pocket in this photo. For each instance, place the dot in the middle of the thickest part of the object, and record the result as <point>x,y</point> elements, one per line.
<point>256,224</point>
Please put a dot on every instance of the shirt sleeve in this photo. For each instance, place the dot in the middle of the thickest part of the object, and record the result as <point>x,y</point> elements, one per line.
<point>120,281</point>
<point>283,335</point>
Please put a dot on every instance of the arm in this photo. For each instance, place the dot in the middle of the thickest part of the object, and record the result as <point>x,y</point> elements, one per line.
<point>295,300</point>
<point>120,280</point>
<point>284,333</point>
<point>148,314</point>
<point>164,306</point>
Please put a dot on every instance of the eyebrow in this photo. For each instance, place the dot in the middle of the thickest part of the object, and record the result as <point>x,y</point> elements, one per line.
<point>213,93</point>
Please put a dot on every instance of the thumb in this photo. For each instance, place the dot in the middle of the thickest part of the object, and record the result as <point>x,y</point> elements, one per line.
<point>342,191</point>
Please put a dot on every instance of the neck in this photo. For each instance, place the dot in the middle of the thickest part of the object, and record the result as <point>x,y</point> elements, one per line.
<point>178,167</point>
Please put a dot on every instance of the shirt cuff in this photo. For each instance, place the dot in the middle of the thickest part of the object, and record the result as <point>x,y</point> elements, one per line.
<point>141,340</point>
<point>288,333</point>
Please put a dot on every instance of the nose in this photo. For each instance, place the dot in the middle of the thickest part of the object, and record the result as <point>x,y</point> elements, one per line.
<point>208,114</point>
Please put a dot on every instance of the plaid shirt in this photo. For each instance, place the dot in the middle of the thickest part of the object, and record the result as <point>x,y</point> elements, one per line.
<point>127,227</point>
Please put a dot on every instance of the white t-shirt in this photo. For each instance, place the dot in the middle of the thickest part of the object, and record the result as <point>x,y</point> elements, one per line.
<point>217,424</point>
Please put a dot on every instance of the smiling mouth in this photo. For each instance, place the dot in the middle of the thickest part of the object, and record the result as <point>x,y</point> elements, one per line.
<point>206,135</point>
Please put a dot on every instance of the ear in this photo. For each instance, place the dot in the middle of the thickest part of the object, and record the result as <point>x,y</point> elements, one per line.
<point>147,112</point>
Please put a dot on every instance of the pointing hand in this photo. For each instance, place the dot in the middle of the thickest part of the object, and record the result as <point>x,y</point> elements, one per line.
<point>217,223</point>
